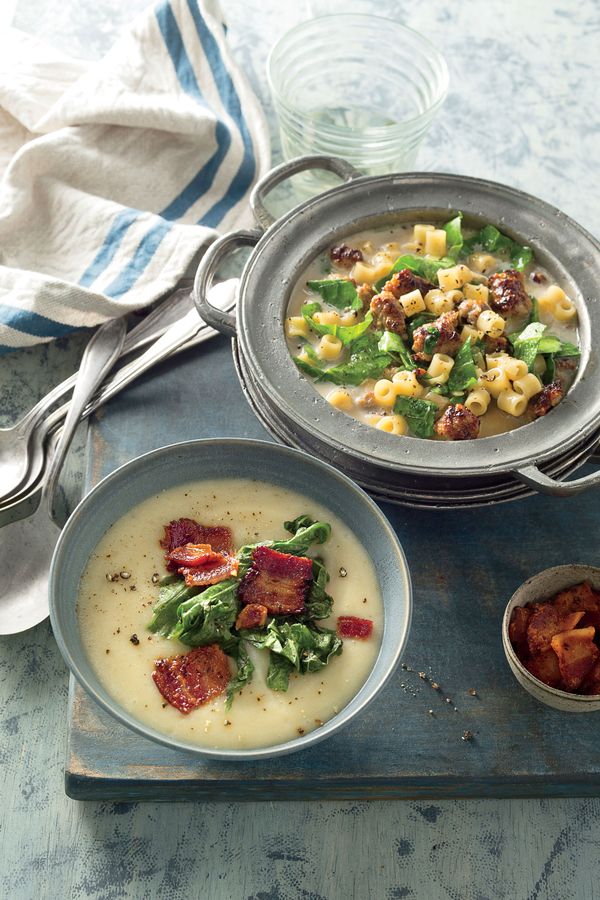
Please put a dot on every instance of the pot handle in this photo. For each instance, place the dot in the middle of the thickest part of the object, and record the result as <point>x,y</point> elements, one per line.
<point>291,167</point>
<point>532,476</point>
<point>222,321</point>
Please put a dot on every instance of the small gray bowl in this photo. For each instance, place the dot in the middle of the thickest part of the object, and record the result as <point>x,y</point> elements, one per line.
<point>543,586</point>
<point>203,460</point>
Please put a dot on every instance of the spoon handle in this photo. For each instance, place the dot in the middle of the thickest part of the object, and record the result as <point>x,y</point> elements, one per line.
<point>99,355</point>
<point>151,327</point>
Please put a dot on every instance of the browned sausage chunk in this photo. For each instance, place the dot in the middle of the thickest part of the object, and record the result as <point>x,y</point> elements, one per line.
<point>543,402</point>
<point>448,338</point>
<point>495,344</point>
<point>457,424</point>
<point>386,308</point>
<point>507,293</point>
<point>345,256</point>
<point>470,310</point>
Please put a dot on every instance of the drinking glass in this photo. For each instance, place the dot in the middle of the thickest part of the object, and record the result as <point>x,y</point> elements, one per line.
<point>356,86</point>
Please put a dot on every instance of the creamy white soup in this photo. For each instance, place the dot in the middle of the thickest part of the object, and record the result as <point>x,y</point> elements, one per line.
<point>434,331</point>
<point>119,589</point>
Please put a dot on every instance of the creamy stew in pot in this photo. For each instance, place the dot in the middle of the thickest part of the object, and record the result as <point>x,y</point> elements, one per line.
<point>434,332</point>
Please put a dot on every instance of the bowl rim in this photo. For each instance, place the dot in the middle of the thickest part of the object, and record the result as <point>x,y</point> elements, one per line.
<point>507,643</point>
<point>111,706</point>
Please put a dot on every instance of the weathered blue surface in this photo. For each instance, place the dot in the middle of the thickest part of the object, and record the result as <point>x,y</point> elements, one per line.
<point>523,110</point>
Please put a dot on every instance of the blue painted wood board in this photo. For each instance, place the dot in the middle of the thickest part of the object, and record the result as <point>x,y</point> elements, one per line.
<point>465,564</point>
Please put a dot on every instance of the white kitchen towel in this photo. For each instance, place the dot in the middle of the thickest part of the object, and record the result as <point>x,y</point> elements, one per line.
<point>116,173</point>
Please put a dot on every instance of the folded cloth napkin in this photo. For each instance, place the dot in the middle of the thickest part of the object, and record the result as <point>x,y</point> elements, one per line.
<point>116,173</point>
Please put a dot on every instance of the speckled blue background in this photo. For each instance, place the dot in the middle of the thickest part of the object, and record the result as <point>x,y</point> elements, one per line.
<point>523,109</point>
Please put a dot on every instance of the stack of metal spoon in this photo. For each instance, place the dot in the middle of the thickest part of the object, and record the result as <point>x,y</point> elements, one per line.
<point>33,450</point>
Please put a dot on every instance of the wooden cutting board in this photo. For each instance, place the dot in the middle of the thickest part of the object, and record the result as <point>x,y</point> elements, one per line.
<point>465,564</point>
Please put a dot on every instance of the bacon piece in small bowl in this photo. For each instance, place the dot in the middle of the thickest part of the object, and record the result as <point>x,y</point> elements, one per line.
<point>191,679</point>
<point>551,637</point>
<point>279,581</point>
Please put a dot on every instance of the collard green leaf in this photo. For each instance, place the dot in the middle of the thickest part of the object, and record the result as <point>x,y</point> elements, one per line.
<point>170,596</point>
<point>390,342</point>
<point>338,292</point>
<point>361,365</point>
<point>346,333</point>
<point>463,375</point>
<point>243,676</point>
<point>454,237</point>
<point>526,343</point>
<point>492,240</point>
<point>318,603</point>
<point>208,617</point>
<point>549,374</point>
<point>278,673</point>
<point>419,414</point>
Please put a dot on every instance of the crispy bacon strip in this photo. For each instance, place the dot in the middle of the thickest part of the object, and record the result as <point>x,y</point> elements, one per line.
<point>577,654</point>
<point>190,680</point>
<point>194,555</point>
<point>278,581</point>
<point>353,627</point>
<point>201,565</point>
<point>187,531</point>
<point>254,615</point>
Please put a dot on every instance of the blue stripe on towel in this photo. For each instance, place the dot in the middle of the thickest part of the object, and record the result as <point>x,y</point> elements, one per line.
<point>229,97</point>
<point>107,251</point>
<point>32,323</point>
<point>142,256</point>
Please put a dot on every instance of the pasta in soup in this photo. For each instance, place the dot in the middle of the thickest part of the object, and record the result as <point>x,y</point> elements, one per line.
<point>434,332</point>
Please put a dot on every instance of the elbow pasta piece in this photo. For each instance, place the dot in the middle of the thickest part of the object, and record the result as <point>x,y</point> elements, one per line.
<point>454,278</point>
<point>327,318</point>
<point>495,381</point>
<point>362,272</point>
<point>420,232</point>
<point>296,326</point>
<point>455,295</point>
<point>481,262</point>
<point>392,424</point>
<point>495,359</point>
<point>406,385</point>
<point>440,401</point>
<point>556,302</point>
<point>438,302</point>
<point>469,332</point>
<point>341,399</point>
<point>413,303</point>
<point>512,403</point>
<point>529,385</point>
<point>490,323</point>
<point>435,243</point>
<point>385,393</point>
<point>514,368</point>
<point>477,292</point>
<point>329,347</point>
<point>440,368</point>
<point>349,318</point>
<point>478,401</point>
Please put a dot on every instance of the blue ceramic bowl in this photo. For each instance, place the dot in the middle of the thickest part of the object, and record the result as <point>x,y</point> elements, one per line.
<point>200,460</point>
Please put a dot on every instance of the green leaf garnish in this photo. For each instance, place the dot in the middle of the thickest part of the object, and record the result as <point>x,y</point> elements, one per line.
<point>346,333</point>
<point>337,292</point>
<point>391,342</point>
<point>454,237</point>
<point>463,375</point>
<point>419,414</point>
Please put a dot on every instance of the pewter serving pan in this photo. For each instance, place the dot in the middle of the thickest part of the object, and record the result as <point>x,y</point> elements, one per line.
<point>397,468</point>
